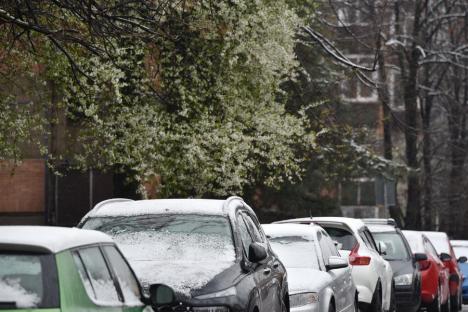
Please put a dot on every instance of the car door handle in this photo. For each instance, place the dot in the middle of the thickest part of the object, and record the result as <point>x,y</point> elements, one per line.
<point>267,271</point>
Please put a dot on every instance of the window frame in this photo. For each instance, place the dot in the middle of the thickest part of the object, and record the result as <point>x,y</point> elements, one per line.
<point>76,252</point>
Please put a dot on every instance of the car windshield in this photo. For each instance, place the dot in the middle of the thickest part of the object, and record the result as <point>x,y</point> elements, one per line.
<point>28,281</point>
<point>440,243</point>
<point>295,251</point>
<point>415,241</point>
<point>176,237</point>
<point>460,251</point>
<point>396,248</point>
<point>345,238</point>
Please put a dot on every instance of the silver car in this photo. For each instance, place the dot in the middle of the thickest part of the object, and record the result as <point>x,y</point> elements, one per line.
<point>319,279</point>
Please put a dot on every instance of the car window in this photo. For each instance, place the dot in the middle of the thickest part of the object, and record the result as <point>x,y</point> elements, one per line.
<point>415,241</point>
<point>344,237</point>
<point>127,280</point>
<point>244,233</point>
<point>430,248</point>
<point>440,243</point>
<point>396,248</point>
<point>331,245</point>
<point>28,281</point>
<point>370,239</point>
<point>98,275</point>
<point>253,229</point>
<point>326,253</point>
<point>295,251</point>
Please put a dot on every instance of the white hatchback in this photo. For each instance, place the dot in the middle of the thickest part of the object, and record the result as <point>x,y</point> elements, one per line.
<point>372,274</point>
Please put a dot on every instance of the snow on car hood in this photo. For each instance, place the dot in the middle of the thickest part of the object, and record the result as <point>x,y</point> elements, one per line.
<point>183,261</point>
<point>306,280</point>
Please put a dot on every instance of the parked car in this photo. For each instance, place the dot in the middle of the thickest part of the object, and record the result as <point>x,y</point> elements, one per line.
<point>63,269</point>
<point>213,253</point>
<point>372,274</point>
<point>435,291</point>
<point>319,278</point>
<point>460,248</point>
<point>407,277</point>
<point>441,243</point>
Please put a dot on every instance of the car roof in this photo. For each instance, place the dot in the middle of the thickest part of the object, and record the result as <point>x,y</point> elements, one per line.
<point>354,224</point>
<point>50,238</point>
<point>121,207</point>
<point>291,229</point>
<point>379,228</point>
<point>435,234</point>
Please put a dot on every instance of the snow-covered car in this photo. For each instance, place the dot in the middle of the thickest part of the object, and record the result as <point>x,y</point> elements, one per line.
<point>63,269</point>
<point>213,253</point>
<point>371,273</point>
<point>319,278</point>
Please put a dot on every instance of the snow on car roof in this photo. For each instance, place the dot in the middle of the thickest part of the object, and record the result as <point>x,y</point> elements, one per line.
<point>160,206</point>
<point>459,243</point>
<point>354,224</point>
<point>54,239</point>
<point>290,229</point>
<point>378,228</point>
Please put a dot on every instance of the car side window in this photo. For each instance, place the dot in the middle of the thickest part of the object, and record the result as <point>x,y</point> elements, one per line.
<point>244,233</point>
<point>97,275</point>
<point>324,247</point>
<point>253,229</point>
<point>331,245</point>
<point>127,280</point>
<point>364,238</point>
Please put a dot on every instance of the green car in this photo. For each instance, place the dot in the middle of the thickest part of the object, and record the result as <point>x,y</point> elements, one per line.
<point>64,269</point>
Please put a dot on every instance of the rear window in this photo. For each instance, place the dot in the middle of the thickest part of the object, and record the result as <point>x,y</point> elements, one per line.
<point>396,248</point>
<point>295,251</point>
<point>345,238</point>
<point>28,281</point>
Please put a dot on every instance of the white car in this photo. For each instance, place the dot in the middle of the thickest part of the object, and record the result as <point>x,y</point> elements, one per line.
<point>319,278</point>
<point>372,274</point>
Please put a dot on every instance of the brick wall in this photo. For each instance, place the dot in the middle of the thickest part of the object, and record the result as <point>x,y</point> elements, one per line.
<point>22,188</point>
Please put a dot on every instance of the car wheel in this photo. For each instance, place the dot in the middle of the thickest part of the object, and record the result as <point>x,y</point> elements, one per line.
<point>376,304</point>
<point>455,302</point>
<point>435,305</point>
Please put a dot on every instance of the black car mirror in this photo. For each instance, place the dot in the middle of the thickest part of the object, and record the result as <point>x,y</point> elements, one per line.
<point>336,263</point>
<point>382,248</point>
<point>420,257</point>
<point>257,253</point>
<point>445,257</point>
<point>462,259</point>
<point>161,295</point>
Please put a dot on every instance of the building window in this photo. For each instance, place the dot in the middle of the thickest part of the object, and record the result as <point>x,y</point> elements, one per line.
<point>354,89</point>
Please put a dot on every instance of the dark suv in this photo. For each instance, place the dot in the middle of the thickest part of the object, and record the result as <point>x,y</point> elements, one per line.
<point>397,251</point>
<point>213,253</point>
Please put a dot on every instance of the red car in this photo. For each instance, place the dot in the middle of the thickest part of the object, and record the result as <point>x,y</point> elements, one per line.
<point>442,244</point>
<point>435,291</point>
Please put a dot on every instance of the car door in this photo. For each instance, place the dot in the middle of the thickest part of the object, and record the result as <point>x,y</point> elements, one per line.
<point>338,276</point>
<point>271,276</point>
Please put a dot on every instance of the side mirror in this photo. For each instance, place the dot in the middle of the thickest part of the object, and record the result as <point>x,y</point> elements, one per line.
<point>335,262</point>
<point>382,248</point>
<point>161,295</point>
<point>445,257</point>
<point>420,257</point>
<point>462,259</point>
<point>257,253</point>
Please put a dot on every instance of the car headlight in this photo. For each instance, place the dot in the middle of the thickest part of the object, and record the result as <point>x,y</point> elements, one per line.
<point>404,280</point>
<point>223,293</point>
<point>210,309</point>
<point>303,299</point>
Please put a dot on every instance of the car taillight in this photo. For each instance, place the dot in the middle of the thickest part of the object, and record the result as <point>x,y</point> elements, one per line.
<point>424,265</point>
<point>356,259</point>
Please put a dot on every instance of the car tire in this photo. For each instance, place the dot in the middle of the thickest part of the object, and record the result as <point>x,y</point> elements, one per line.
<point>376,304</point>
<point>435,305</point>
<point>455,302</point>
<point>331,307</point>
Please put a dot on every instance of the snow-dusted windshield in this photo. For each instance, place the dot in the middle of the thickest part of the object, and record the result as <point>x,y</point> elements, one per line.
<point>295,251</point>
<point>183,251</point>
<point>23,278</point>
<point>440,243</point>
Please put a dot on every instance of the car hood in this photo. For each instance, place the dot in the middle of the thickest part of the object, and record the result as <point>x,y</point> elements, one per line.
<point>306,280</point>
<point>186,277</point>
<point>400,267</point>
